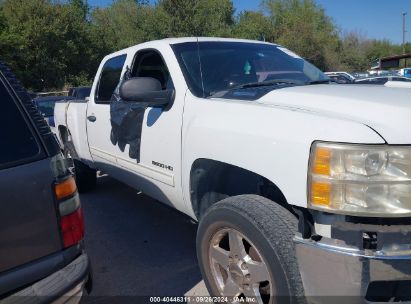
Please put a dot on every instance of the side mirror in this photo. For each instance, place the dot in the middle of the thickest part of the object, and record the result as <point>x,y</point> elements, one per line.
<point>147,90</point>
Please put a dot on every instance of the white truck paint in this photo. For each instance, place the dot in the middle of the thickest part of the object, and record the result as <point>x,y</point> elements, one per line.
<point>270,136</point>
<point>322,112</point>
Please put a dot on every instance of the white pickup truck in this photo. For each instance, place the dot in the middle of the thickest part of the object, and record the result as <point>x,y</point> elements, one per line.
<point>302,188</point>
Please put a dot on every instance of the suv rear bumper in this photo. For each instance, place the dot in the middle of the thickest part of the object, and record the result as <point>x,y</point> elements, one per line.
<point>63,286</point>
<point>330,270</point>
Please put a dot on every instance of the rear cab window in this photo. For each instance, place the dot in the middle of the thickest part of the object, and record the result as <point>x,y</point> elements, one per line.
<point>19,142</point>
<point>109,79</point>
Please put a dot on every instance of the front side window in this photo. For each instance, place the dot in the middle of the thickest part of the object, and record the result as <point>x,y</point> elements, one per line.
<point>211,67</point>
<point>149,63</point>
<point>109,78</point>
<point>18,143</point>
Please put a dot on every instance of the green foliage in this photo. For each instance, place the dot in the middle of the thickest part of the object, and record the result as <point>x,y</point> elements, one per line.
<point>254,25</point>
<point>44,42</point>
<point>81,6</point>
<point>53,43</point>
<point>357,52</point>
<point>303,27</point>
<point>119,25</point>
<point>197,17</point>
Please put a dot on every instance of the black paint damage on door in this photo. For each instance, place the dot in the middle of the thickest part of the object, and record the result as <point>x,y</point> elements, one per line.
<point>126,121</point>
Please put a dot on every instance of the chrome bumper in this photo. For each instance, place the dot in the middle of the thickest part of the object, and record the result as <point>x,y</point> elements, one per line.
<point>334,270</point>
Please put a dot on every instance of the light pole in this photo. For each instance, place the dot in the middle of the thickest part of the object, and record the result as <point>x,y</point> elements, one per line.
<point>403,32</point>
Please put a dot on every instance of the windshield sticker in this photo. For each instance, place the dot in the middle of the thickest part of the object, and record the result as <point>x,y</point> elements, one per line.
<point>290,53</point>
<point>247,68</point>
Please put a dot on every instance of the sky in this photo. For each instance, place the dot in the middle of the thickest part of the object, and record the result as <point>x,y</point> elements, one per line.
<point>380,19</point>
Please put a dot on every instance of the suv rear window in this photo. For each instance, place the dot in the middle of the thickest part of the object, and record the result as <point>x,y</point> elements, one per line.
<point>18,143</point>
<point>109,79</point>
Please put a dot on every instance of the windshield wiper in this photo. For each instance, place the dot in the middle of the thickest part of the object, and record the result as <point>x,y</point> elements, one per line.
<point>255,85</point>
<point>319,81</point>
<point>263,84</point>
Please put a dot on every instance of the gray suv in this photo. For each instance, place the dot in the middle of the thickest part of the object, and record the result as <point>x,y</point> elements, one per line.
<point>42,257</point>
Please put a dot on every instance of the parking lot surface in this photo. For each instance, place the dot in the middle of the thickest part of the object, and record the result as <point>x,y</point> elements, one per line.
<point>137,246</point>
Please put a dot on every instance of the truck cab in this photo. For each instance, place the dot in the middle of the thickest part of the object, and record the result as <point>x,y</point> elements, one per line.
<point>288,174</point>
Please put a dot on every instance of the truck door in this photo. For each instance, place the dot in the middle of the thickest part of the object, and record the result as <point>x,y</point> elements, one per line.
<point>98,113</point>
<point>148,139</point>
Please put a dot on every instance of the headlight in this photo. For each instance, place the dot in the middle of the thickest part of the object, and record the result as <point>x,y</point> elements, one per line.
<point>363,180</point>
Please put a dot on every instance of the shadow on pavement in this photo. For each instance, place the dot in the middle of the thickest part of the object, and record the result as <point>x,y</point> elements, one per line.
<point>137,246</point>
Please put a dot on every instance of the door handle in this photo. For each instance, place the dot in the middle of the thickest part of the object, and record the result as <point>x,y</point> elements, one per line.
<point>91,118</point>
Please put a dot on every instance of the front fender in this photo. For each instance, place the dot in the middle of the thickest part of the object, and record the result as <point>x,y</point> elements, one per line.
<point>270,141</point>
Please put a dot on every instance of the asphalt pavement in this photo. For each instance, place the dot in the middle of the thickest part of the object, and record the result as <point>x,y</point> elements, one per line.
<point>137,246</point>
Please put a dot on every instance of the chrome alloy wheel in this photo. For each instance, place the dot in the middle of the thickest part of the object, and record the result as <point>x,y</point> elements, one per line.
<point>238,268</point>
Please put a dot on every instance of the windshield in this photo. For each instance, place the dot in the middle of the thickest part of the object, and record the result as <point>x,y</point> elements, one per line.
<point>211,67</point>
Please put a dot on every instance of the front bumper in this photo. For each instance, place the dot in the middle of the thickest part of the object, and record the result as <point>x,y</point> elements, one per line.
<point>329,269</point>
<point>64,286</point>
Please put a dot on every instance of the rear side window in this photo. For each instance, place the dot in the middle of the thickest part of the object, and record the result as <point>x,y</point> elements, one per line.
<point>18,143</point>
<point>109,78</point>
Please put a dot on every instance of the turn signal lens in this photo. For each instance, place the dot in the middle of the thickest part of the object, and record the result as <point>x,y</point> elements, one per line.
<point>321,163</point>
<point>66,188</point>
<point>320,193</point>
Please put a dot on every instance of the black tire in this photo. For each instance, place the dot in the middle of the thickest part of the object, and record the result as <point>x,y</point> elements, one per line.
<point>86,177</point>
<point>270,228</point>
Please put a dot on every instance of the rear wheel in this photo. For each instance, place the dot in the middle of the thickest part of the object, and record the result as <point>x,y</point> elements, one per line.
<point>245,249</point>
<point>86,177</point>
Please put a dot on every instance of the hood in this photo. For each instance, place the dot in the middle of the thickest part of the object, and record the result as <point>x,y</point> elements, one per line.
<point>386,110</point>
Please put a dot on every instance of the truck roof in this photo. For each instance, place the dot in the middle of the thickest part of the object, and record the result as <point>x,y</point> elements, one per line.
<point>170,41</point>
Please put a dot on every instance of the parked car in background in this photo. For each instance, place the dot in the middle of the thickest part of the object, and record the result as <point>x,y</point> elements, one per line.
<point>375,73</point>
<point>341,77</point>
<point>300,187</point>
<point>360,74</point>
<point>79,92</point>
<point>46,107</point>
<point>381,79</point>
<point>398,84</point>
<point>406,72</point>
<point>42,258</point>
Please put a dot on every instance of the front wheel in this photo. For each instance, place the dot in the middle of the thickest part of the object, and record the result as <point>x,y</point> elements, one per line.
<point>245,250</point>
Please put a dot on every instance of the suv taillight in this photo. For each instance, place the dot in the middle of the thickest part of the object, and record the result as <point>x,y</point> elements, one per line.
<point>71,214</point>
<point>72,227</point>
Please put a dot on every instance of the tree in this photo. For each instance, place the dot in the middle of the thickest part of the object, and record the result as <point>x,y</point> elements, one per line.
<point>303,26</point>
<point>122,24</point>
<point>45,42</point>
<point>198,17</point>
<point>352,53</point>
<point>253,25</point>
<point>81,6</point>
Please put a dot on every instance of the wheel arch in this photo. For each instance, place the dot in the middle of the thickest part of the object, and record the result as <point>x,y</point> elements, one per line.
<point>67,143</point>
<point>63,134</point>
<point>212,181</point>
